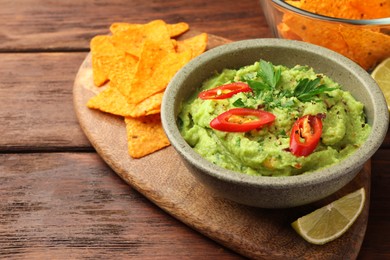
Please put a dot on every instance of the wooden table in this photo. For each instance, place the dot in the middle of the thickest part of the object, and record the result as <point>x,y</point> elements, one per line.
<point>58,197</point>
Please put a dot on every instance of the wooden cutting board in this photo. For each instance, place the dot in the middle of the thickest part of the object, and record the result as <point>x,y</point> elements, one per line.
<point>162,178</point>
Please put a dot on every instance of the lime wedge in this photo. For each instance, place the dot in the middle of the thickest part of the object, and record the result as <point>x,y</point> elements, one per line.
<point>381,75</point>
<point>331,221</point>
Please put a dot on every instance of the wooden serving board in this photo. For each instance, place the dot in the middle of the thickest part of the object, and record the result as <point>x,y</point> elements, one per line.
<point>162,178</point>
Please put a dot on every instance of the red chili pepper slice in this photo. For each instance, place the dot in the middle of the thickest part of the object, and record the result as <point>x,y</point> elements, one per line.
<point>305,135</point>
<point>225,91</point>
<point>242,120</point>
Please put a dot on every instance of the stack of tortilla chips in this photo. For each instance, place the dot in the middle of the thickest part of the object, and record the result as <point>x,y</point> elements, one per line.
<point>366,45</point>
<point>133,66</point>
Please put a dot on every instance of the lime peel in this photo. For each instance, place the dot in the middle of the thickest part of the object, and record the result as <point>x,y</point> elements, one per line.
<point>381,75</point>
<point>331,221</point>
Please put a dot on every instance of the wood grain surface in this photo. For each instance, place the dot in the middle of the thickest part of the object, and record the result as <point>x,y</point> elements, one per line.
<point>81,216</point>
<point>163,179</point>
<point>36,105</point>
<point>59,199</point>
<point>73,23</point>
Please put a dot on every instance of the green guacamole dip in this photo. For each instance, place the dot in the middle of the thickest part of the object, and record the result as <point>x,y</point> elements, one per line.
<point>265,151</point>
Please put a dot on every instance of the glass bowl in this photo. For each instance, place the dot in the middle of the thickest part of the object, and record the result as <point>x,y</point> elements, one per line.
<point>365,41</point>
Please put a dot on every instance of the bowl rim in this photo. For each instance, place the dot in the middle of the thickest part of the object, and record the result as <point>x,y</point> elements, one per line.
<point>363,154</point>
<point>366,22</point>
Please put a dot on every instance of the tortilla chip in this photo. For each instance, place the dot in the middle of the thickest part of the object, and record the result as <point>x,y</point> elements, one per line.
<point>285,32</point>
<point>339,8</point>
<point>132,39</point>
<point>361,44</point>
<point>110,100</point>
<point>177,29</point>
<point>120,27</point>
<point>156,68</point>
<point>173,29</point>
<point>100,70</point>
<point>196,44</point>
<point>347,9</point>
<point>122,73</point>
<point>104,56</point>
<point>319,33</point>
<point>296,3</point>
<point>367,47</point>
<point>372,9</point>
<point>149,106</point>
<point>138,61</point>
<point>145,135</point>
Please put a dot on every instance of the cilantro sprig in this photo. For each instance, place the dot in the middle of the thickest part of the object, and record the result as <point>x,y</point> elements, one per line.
<point>269,75</point>
<point>264,84</point>
<point>308,89</point>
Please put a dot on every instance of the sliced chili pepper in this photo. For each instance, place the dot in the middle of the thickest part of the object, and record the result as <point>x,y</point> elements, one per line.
<point>225,91</point>
<point>305,135</point>
<point>242,120</point>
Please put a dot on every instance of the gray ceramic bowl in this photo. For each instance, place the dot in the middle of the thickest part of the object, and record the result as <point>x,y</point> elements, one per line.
<point>275,192</point>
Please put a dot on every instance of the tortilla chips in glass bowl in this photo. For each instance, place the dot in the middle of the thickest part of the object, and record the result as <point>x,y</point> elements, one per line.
<point>359,30</point>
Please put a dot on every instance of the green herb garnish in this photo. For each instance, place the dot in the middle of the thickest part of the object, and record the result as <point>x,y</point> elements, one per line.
<point>269,73</point>
<point>268,77</point>
<point>239,103</point>
<point>258,87</point>
<point>307,89</point>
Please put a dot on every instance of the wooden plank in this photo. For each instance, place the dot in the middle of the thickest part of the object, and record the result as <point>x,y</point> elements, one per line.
<point>72,206</point>
<point>376,244</point>
<point>36,105</point>
<point>386,142</point>
<point>69,25</point>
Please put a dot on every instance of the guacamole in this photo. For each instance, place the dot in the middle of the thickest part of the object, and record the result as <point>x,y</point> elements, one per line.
<point>278,99</point>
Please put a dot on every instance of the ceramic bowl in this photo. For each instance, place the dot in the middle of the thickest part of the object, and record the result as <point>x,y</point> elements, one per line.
<point>275,192</point>
<point>365,41</point>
